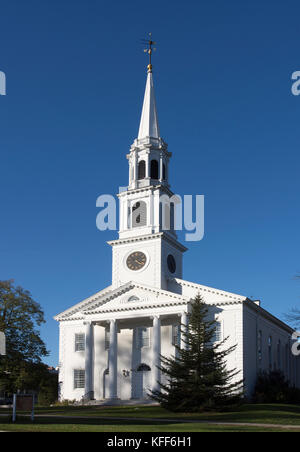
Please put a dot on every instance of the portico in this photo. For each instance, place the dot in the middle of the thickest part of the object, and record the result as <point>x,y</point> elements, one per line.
<point>145,356</point>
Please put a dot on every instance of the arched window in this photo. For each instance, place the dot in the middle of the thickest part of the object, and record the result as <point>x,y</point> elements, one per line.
<point>143,368</point>
<point>142,169</point>
<point>139,214</point>
<point>154,169</point>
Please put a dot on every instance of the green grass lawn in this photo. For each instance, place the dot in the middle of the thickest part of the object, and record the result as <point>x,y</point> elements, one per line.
<point>113,427</point>
<point>153,419</point>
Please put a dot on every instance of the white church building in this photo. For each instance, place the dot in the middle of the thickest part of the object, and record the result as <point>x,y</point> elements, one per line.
<point>110,343</point>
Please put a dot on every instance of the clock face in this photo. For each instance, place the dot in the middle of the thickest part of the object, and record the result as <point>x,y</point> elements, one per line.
<point>136,260</point>
<point>171,263</point>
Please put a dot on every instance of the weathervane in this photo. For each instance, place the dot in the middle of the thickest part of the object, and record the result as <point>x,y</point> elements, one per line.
<point>149,50</point>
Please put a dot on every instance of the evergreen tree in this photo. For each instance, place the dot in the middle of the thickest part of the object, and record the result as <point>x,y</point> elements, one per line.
<point>197,377</point>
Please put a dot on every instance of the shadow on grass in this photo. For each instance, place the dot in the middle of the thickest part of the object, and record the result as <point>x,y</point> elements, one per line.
<point>80,421</point>
<point>271,413</point>
<point>123,427</point>
<point>102,415</point>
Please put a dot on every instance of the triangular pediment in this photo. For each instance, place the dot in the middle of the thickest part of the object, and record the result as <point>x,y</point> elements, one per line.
<point>128,297</point>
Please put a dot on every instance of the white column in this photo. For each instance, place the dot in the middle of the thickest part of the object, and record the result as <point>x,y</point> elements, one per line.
<point>130,171</point>
<point>113,360</point>
<point>88,360</point>
<point>151,210</point>
<point>121,218</point>
<point>126,214</point>
<point>147,160</point>
<point>167,171</point>
<point>184,329</point>
<point>161,168</point>
<point>156,351</point>
<point>135,169</point>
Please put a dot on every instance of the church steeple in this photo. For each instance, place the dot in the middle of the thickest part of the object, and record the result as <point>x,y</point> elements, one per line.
<point>149,157</point>
<point>147,249</point>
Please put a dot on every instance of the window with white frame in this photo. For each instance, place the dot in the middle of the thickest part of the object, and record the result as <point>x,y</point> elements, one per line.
<point>176,335</point>
<point>143,337</point>
<point>217,337</point>
<point>79,378</point>
<point>107,336</point>
<point>79,342</point>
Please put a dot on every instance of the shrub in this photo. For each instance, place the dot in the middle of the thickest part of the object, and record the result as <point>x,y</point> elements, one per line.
<point>47,394</point>
<point>272,387</point>
<point>64,402</point>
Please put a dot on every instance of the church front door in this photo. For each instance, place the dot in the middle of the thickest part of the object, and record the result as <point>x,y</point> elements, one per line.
<point>141,382</point>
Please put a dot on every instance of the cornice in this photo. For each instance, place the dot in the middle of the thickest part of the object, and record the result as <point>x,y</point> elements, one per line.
<point>146,188</point>
<point>138,307</point>
<point>267,315</point>
<point>81,305</point>
<point>142,238</point>
<point>135,239</point>
<point>210,290</point>
<point>157,144</point>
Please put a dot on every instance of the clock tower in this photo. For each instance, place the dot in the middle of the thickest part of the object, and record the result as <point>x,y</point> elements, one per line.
<point>147,250</point>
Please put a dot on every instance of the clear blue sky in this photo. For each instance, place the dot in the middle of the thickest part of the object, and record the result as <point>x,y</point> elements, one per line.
<point>75,82</point>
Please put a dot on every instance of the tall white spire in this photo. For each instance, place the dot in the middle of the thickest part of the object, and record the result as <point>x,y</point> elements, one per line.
<point>149,122</point>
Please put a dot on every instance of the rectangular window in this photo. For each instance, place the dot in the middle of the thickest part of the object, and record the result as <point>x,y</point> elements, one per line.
<point>143,337</point>
<point>176,335</point>
<point>79,379</point>
<point>259,345</point>
<point>270,351</point>
<point>279,355</point>
<point>107,336</point>
<point>79,342</point>
<point>217,337</point>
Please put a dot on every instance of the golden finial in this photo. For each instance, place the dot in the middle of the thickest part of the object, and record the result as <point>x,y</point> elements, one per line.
<point>149,50</point>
